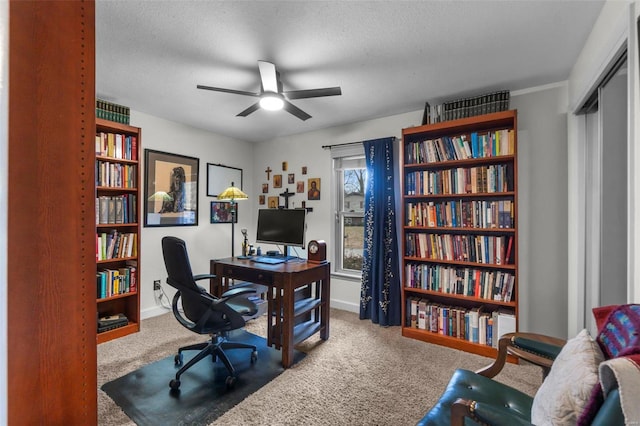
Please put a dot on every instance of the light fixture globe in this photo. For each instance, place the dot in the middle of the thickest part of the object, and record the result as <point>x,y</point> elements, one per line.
<point>271,101</point>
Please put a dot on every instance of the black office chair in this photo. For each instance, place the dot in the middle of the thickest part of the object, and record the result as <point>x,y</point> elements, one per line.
<point>204,313</point>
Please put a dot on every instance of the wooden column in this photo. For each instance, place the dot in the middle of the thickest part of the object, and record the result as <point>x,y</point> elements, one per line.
<point>51,217</point>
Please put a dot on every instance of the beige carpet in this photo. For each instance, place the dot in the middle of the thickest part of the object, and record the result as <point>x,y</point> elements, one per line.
<point>363,375</point>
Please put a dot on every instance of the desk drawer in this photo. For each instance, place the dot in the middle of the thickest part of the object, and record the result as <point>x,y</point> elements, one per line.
<point>250,275</point>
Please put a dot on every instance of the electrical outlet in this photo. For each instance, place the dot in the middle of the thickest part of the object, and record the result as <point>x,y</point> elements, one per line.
<point>156,285</point>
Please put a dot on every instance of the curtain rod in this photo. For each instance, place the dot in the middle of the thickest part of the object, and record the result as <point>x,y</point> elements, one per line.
<point>351,143</point>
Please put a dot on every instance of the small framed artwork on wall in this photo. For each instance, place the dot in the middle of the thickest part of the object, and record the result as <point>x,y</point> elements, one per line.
<point>221,212</point>
<point>314,189</point>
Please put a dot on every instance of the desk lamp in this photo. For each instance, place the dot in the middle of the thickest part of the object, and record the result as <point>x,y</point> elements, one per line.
<point>232,194</point>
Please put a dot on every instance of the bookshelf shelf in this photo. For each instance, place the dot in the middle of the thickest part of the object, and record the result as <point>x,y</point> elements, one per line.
<point>117,296</point>
<point>117,226</point>
<point>460,232</point>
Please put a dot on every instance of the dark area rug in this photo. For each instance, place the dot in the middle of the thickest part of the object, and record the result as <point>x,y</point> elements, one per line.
<point>144,395</point>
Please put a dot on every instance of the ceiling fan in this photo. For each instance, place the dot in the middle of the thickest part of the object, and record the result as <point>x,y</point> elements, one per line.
<point>271,95</point>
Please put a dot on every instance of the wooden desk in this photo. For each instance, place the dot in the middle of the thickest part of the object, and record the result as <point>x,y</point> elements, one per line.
<point>297,300</point>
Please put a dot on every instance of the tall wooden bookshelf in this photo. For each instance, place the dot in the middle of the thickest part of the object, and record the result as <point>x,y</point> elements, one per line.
<point>460,232</point>
<point>118,192</point>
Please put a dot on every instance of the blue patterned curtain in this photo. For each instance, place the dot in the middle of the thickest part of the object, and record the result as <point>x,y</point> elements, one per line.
<point>380,290</point>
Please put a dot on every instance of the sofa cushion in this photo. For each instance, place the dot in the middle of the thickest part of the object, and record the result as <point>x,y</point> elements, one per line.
<point>564,394</point>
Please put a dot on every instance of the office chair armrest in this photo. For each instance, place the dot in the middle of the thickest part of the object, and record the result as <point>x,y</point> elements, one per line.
<point>203,277</point>
<point>537,349</point>
<point>237,291</point>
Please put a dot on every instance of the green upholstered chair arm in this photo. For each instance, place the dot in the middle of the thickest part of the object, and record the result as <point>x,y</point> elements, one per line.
<point>538,347</point>
<point>486,413</point>
<point>535,348</point>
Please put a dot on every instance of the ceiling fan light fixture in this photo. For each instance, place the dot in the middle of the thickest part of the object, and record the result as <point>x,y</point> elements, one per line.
<point>271,102</point>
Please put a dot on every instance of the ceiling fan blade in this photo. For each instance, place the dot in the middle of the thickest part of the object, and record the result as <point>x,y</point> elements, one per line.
<point>235,92</point>
<point>313,93</point>
<point>268,76</point>
<point>289,107</point>
<point>249,110</point>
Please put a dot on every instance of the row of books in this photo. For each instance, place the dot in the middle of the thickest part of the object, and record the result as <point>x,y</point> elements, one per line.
<point>484,284</point>
<point>467,107</point>
<point>485,214</point>
<point>116,245</point>
<point>461,180</point>
<point>116,209</point>
<point>110,282</point>
<point>112,112</point>
<point>116,175</point>
<point>485,249</point>
<point>473,325</point>
<point>117,145</point>
<point>464,147</point>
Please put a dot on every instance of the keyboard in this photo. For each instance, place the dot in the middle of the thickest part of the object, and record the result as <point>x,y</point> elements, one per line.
<point>271,260</point>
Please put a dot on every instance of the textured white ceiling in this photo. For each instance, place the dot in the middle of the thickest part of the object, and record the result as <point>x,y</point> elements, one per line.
<point>389,57</point>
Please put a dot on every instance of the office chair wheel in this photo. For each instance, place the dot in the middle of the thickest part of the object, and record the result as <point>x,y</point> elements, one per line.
<point>230,382</point>
<point>174,384</point>
<point>254,357</point>
<point>178,362</point>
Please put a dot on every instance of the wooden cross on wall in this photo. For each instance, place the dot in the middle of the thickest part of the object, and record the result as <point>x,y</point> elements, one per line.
<point>268,172</point>
<point>286,194</point>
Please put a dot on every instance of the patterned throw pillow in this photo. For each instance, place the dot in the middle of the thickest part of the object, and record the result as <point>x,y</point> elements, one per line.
<point>619,333</point>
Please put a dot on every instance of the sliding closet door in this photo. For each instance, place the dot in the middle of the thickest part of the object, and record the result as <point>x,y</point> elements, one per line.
<point>614,229</point>
<point>606,195</point>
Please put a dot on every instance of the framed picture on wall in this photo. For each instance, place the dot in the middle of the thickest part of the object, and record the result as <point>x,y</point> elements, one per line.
<point>170,189</point>
<point>221,212</point>
<point>220,177</point>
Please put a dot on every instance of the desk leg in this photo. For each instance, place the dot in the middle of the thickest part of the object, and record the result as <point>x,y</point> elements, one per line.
<point>324,310</point>
<point>271,314</point>
<point>288,321</point>
<point>215,284</point>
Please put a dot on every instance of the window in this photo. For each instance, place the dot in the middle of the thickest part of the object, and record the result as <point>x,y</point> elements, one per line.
<point>350,178</point>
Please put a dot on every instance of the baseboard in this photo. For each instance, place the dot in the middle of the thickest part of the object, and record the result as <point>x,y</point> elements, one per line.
<point>153,312</point>
<point>345,306</point>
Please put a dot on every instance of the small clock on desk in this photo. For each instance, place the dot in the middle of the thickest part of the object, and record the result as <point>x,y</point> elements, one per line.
<point>317,251</point>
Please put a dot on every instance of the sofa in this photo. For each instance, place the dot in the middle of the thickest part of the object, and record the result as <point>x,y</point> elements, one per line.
<point>586,380</point>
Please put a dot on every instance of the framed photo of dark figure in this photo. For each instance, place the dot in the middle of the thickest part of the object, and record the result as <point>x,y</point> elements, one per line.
<point>170,189</point>
<point>221,212</point>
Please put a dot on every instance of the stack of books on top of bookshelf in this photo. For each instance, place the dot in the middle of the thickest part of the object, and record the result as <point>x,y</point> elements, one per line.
<point>466,107</point>
<point>112,112</point>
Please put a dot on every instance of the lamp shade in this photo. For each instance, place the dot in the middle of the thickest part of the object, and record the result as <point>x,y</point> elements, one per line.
<point>232,193</point>
<point>160,196</point>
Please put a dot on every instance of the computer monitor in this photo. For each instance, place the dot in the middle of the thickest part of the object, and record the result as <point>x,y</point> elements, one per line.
<point>282,226</point>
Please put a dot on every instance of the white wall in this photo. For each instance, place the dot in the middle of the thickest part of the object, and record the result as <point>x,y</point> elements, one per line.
<point>205,241</point>
<point>542,208</point>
